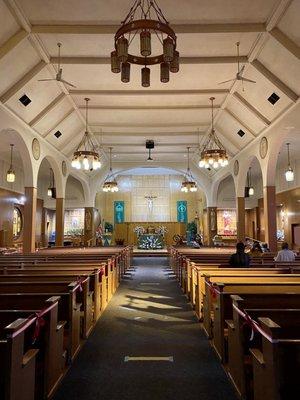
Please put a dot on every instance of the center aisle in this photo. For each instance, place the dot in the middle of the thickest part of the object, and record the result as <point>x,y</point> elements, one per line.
<point>147,317</point>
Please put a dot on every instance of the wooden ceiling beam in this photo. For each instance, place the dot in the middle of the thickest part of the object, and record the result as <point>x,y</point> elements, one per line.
<point>285,41</point>
<point>252,109</point>
<point>80,29</point>
<point>142,92</point>
<point>275,80</point>
<point>47,109</point>
<point>22,82</point>
<point>183,60</point>
<point>150,107</point>
<point>12,42</point>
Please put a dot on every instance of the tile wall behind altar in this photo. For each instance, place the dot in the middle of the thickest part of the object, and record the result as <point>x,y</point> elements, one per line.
<point>165,189</point>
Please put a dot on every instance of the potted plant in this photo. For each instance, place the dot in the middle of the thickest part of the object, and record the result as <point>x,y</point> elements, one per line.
<point>191,231</point>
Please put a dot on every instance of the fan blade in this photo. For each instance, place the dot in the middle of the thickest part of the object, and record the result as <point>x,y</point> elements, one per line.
<point>230,80</point>
<point>44,80</point>
<point>67,83</point>
<point>242,70</point>
<point>248,80</point>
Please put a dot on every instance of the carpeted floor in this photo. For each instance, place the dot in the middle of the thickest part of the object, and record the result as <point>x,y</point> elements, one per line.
<point>148,317</point>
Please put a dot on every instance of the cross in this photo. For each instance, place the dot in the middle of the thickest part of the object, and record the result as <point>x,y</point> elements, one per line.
<point>150,199</point>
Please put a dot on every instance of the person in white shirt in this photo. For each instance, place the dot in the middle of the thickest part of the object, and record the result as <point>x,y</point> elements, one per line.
<point>285,255</point>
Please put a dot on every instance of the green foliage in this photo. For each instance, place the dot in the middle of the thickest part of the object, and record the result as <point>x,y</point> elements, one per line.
<point>192,227</point>
<point>108,227</point>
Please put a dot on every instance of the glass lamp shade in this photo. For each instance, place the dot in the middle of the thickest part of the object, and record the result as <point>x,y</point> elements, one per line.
<point>49,192</point>
<point>125,72</point>
<point>115,62</point>
<point>251,191</point>
<point>145,77</point>
<point>122,49</point>
<point>75,163</point>
<point>145,43</point>
<point>174,64</point>
<point>10,176</point>
<point>289,175</point>
<point>168,48</point>
<point>164,72</point>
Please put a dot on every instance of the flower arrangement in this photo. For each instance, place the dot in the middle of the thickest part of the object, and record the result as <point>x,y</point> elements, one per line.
<point>139,230</point>
<point>161,230</point>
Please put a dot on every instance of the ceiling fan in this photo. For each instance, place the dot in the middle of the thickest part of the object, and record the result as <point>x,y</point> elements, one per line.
<point>58,77</point>
<point>239,75</point>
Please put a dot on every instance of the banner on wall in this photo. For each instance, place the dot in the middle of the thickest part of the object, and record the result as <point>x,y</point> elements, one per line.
<point>119,208</point>
<point>182,211</point>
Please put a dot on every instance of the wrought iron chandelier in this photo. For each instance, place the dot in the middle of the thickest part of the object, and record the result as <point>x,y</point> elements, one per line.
<point>213,153</point>
<point>110,184</point>
<point>189,184</point>
<point>289,173</point>
<point>146,21</point>
<point>86,156</point>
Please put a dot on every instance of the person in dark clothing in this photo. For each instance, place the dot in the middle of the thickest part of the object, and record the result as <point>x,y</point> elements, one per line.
<point>240,258</point>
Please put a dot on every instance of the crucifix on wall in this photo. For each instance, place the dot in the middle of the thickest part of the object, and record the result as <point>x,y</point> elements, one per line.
<point>150,199</point>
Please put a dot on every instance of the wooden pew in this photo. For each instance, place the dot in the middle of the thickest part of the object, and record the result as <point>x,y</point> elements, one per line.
<point>50,288</point>
<point>202,272</point>
<point>69,311</point>
<point>276,364</point>
<point>217,304</point>
<point>28,368</point>
<point>100,279</point>
<point>242,332</point>
<point>94,290</point>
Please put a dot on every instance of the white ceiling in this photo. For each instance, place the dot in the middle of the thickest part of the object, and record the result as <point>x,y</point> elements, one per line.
<point>174,115</point>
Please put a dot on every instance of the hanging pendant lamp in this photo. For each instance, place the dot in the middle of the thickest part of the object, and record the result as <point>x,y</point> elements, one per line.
<point>189,184</point>
<point>289,173</point>
<point>10,175</point>
<point>213,153</point>
<point>110,184</point>
<point>51,192</point>
<point>86,157</point>
<point>251,188</point>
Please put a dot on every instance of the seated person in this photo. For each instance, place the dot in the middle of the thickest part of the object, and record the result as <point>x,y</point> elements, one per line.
<point>256,250</point>
<point>240,258</point>
<point>265,248</point>
<point>285,255</point>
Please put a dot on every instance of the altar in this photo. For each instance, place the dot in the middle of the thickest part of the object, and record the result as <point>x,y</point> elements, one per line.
<point>150,241</point>
<point>126,231</point>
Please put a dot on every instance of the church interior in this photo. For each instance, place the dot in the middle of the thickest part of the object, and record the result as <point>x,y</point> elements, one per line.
<point>149,199</point>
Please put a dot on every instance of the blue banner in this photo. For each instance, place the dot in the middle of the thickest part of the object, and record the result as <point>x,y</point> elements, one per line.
<point>119,208</point>
<point>182,211</point>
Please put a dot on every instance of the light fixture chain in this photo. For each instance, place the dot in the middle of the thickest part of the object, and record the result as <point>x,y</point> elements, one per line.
<point>288,151</point>
<point>132,11</point>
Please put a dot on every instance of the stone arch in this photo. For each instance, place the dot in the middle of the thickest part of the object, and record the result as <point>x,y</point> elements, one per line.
<point>244,166</point>
<point>58,177</point>
<point>228,177</point>
<point>23,147</point>
<point>215,187</point>
<point>202,180</point>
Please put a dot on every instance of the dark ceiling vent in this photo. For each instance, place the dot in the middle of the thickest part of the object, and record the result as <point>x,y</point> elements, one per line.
<point>57,134</point>
<point>25,100</point>
<point>273,98</point>
<point>241,133</point>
